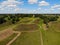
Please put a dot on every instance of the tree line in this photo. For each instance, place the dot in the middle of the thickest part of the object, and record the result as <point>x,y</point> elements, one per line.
<point>14,18</point>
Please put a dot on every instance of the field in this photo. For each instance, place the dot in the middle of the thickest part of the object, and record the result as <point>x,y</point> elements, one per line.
<point>52,35</point>
<point>51,38</point>
<point>33,32</point>
<point>28,38</point>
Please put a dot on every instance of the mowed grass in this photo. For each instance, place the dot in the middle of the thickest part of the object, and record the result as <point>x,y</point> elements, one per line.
<point>26,20</point>
<point>5,41</point>
<point>28,38</point>
<point>51,36</point>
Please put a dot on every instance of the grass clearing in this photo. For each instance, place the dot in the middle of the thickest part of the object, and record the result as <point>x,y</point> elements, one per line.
<point>28,38</point>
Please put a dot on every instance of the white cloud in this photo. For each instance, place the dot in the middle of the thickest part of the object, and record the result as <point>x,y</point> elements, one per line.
<point>58,8</point>
<point>1,8</point>
<point>36,10</point>
<point>55,6</point>
<point>52,9</point>
<point>45,10</point>
<point>10,5</point>
<point>32,1</point>
<point>43,3</point>
<point>17,9</point>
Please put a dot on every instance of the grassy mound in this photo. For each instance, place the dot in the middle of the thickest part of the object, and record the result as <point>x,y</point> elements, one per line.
<point>26,20</point>
<point>27,27</point>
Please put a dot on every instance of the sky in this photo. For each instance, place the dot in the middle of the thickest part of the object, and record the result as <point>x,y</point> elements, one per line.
<point>30,6</point>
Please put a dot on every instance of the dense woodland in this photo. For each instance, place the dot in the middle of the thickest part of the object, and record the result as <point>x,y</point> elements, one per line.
<point>14,18</point>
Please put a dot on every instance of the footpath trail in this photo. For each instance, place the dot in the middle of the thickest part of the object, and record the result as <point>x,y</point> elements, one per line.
<point>10,42</point>
<point>41,38</point>
<point>41,35</point>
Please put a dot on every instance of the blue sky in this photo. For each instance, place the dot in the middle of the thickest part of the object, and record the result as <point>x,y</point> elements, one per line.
<point>30,6</point>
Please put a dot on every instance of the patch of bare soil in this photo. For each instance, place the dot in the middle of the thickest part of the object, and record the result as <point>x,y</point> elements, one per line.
<point>27,27</point>
<point>5,33</point>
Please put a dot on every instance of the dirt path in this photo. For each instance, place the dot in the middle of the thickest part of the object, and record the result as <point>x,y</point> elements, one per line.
<point>9,43</point>
<point>41,36</point>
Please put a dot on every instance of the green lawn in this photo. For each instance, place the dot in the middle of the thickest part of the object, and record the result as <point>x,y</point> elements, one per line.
<point>28,38</point>
<point>26,20</point>
<point>4,42</point>
<point>50,36</point>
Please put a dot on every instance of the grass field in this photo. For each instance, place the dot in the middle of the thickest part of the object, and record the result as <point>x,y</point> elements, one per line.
<point>4,42</point>
<point>52,36</point>
<point>28,38</point>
